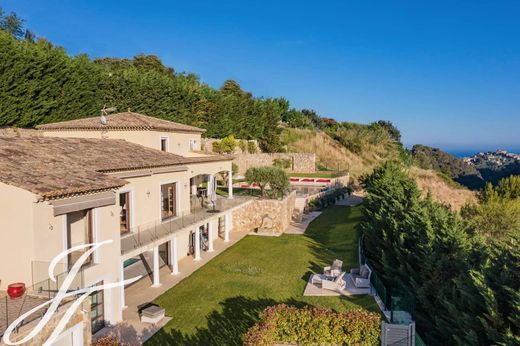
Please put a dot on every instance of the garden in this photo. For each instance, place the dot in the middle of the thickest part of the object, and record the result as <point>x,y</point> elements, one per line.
<point>221,301</point>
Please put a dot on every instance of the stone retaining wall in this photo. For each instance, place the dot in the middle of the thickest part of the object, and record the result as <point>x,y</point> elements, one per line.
<point>80,316</point>
<point>300,162</point>
<point>269,213</point>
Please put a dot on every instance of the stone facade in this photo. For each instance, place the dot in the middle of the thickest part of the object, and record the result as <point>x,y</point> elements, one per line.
<point>80,316</point>
<point>269,214</point>
<point>300,162</point>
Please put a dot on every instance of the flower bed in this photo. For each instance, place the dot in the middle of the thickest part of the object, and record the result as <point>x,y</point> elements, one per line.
<point>314,326</point>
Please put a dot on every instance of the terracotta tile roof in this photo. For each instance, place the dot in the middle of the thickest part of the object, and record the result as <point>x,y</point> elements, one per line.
<point>122,121</point>
<point>57,167</point>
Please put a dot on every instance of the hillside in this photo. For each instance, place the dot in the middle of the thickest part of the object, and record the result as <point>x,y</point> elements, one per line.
<point>457,169</point>
<point>332,155</point>
<point>441,188</point>
<point>496,165</point>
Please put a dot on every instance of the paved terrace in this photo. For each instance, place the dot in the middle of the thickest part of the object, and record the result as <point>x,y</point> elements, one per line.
<point>131,330</point>
<point>145,237</point>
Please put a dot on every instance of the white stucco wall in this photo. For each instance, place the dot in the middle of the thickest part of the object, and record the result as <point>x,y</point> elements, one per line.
<point>178,142</point>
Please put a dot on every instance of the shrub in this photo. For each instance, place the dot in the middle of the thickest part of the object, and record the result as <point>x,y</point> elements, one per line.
<point>251,147</point>
<point>314,326</point>
<point>242,144</point>
<point>282,163</point>
<point>109,341</point>
<point>225,145</point>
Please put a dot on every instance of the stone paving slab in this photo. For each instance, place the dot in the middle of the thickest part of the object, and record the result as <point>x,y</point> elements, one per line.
<point>301,227</point>
<point>351,200</point>
<point>350,290</point>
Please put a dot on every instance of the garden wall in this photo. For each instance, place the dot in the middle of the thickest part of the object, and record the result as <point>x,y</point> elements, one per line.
<point>269,213</point>
<point>300,162</point>
<point>81,316</point>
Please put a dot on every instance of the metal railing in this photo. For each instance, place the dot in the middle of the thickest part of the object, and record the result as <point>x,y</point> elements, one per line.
<point>147,233</point>
<point>44,287</point>
<point>42,290</point>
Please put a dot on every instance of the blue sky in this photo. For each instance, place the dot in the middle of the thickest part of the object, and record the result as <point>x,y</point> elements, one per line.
<point>447,73</point>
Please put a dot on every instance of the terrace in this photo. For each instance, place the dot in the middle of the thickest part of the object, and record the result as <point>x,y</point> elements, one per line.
<point>145,237</point>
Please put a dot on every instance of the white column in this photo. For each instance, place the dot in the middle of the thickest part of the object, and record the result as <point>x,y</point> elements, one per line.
<point>123,305</point>
<point>210,184</point>
<point>230,185</point>
<point>174,256</point>
<point>197,244</point>
<point>227,226</point>
<point>156,280</point>
<point>210,235</point>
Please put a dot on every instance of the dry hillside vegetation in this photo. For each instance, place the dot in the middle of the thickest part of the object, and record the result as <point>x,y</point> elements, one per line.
<point>331,154</point>
<point>442,189</point>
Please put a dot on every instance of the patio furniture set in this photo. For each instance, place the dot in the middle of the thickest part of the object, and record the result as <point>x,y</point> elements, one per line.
<point>335,279</point>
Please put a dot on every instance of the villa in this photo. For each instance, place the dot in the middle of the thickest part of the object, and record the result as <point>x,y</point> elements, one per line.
<point>140,181</point>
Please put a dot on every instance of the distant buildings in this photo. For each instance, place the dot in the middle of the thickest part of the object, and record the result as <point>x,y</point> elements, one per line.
<point>496,158</point>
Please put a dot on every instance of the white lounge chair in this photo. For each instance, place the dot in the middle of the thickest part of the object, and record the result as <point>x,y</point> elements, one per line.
<point>337,285</point>
<point>361,276</point>
<point>334,270</point>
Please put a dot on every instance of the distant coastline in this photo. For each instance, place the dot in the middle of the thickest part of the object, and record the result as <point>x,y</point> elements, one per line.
<point>470,152</point>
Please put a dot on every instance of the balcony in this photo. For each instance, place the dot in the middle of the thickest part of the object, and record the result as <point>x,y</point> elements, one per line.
<point>41,291</point>
<point>151,232</point>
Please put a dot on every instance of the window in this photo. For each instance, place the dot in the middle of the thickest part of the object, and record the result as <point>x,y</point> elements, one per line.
<point>164,143</point>
<point>97,311</point>
<point>168,201</point>
<point>79,231</point>
<point>124,218</point>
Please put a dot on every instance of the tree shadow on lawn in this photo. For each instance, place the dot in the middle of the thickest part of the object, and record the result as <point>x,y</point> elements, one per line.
<point>327,247</point>
<point>224,328</point>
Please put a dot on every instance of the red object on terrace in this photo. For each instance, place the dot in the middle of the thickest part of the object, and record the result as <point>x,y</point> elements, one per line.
<point>16,290</point>
<point>308,180</point>
<point>295,179</point>
<point>323,181</point>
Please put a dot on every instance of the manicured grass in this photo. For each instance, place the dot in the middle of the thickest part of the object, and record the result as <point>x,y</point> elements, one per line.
<point>324,174</point>
<point>219,302</point>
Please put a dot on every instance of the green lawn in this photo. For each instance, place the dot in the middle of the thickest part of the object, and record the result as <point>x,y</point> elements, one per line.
<point>220,301</point>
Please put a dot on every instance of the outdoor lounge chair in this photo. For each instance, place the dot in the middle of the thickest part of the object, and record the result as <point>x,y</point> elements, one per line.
<point>361,276</point>
<point>336,285</point>
<point>334,270</point>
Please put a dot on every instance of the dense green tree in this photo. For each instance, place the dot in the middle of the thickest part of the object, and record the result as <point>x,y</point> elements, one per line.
<point>273,177</point>
<point>463,286</point>
<point>509,188</point>
<point>315,119</point>
<point>394,132</point>
<point>12,24</point>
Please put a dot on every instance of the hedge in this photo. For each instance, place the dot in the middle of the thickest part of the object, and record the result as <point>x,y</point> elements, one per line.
<point>314,326</point>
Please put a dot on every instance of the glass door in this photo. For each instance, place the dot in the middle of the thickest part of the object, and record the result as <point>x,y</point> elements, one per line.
<point>97,311</point>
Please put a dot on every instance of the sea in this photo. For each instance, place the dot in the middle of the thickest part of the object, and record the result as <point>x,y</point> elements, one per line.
<point>470,152</point>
